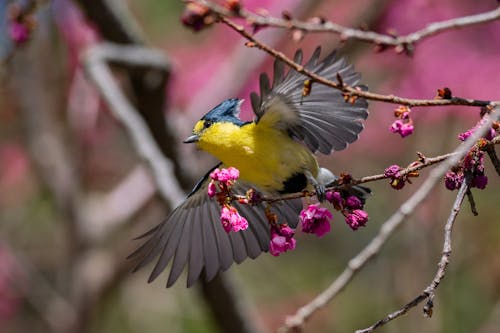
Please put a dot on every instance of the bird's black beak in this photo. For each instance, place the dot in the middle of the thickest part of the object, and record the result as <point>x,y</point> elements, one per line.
<point>192,138</point>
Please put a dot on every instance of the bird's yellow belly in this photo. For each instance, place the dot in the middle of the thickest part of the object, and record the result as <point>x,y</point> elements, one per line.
<point>265,157</point>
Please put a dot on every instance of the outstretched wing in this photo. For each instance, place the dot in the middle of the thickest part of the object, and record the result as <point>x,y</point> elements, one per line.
<point>323,120</point>
<point>193,235</point>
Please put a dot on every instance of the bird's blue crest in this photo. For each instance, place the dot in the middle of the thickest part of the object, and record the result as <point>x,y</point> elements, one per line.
<point>228,111</point>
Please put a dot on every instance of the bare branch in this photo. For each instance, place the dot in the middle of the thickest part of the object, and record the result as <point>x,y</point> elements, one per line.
<point>297,321</point>
<point>403,43</point>
<point>349,90</point>
<point>422,163</point>
<point>428,293</point>
<point>104,213</point>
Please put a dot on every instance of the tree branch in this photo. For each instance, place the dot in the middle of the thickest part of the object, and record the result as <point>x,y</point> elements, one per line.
<point>296,322</point>
<point>401,43</point>
<point>348,90</point>
<point>428,293</point>
<point>422,163</point>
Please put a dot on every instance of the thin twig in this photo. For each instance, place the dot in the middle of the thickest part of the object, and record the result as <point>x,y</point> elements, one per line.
<point>349,90</point>
<point>297,321</point>
<point>405,42</point>
<point>494,157</point>
<point>428,293</point>
<point>411,169</point>
<point>472,202</point>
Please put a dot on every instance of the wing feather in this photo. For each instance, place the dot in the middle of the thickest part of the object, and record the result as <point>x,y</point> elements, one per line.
<point>196,257</point>
<point>322,120</point>
<point>193,236</point>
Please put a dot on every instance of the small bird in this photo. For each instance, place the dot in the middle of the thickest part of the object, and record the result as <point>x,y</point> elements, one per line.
<point>274,154</point>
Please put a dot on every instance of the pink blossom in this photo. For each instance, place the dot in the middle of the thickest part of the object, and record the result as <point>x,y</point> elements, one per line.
<point>452,180</point>
<point>357,218</point>
<point>336,199</point>
<point>479,181</point>
<point>281,239</point>
<point>396,126</point>
<point>353,202</point>
<point>463,136</point>
<point>392,171</point>
<point>18,32</point>
<point>474,162</point>
<point>225,175</point>
<point>232,220</point>
<point>406,130</point>
<point>490,134</point>
<point>315,220</point>
<point>212,189</point>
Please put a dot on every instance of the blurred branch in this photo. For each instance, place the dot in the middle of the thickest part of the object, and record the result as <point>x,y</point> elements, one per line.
<point>318,24</point>
<point>96,65</point>
<point>296,322</point>
<point>346,89</point>
<point>113,20</point>
<point>54,308</point>
<point>428,293</point>
<point>104,213</point>
<point>148,79</point>
<point>37,85</point>
<point>224,293</point>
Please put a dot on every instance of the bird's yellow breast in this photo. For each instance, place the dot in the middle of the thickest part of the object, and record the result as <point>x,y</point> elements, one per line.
<point>265,156</point>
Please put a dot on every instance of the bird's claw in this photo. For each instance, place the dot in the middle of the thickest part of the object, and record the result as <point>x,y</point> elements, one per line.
<point>320,192</point>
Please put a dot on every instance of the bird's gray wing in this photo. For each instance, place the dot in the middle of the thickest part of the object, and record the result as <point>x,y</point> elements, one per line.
<point>193,235</point>
<point>323,120</point>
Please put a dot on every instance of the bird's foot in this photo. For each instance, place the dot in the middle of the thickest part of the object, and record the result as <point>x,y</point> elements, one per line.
<point>320,189</point>
<point>320,192</point>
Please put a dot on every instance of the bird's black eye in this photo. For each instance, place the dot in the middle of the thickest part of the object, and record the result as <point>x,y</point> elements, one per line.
<point>207,124</point>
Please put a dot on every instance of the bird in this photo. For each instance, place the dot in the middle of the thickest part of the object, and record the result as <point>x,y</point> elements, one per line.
<point>275,154</point>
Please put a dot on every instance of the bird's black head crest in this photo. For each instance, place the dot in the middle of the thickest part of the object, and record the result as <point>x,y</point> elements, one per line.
<point>228,111</point>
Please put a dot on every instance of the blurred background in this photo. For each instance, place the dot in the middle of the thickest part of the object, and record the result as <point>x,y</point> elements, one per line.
<point>73,191</point>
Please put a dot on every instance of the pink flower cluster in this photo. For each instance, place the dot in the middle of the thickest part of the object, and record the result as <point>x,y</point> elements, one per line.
<point>232,220</point>
<point>281,239</point>
<point>351,206</point>
<point>397,181</point>
<point>315,220</point>
<point>18,32</point>
<point>453,180</point>
<point>473,165</point>
<point>225,178</point>
<point>20,23</point>
<point>492,132</point>
<point>404,124</point>
<point>356,218</point>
